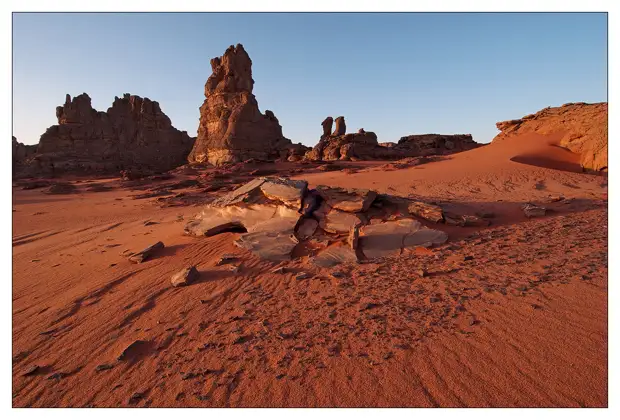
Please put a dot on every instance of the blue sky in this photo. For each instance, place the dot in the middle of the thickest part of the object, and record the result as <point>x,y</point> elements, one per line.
<point>394,74</point>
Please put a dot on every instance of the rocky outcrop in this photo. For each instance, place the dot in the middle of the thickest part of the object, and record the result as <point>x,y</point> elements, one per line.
<point>232,128</point>
<point>21,152</point>
<point>583,130</point>
<point>363,145</point>
<point>134,133</point>
<point>434,144</point>
<point>327,126</point>
<point>274,215</point>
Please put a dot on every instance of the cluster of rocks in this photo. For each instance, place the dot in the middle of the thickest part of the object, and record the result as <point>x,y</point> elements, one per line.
<point>133,133</point>
<point>232,128</point>
<point>584,128</point>
<point>274,215</point>
<point>363,145</point>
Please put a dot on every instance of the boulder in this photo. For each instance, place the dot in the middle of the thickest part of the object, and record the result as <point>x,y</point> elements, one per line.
<point>232,128</point>
<point>285,190</point>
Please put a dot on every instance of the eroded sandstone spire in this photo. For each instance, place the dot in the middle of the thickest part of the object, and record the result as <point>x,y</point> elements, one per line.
<point>232,128</point>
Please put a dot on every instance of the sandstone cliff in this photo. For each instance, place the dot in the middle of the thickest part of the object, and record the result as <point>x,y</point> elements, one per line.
<point>133,134</point>
<point>232,128</point>
<point>583,130</point>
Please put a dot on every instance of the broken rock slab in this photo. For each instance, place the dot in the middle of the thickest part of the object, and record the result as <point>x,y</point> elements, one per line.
<point>339,221</point>
<point>214,220</point>
<point>305,228</point>
<point>184,277</point>
<point>426,211</point>
<point>288,191</point>
<point>335,255</point>
<point>388,239</point>
<point>273,239</point>
<point>532,210</point>
<point>349,200</point>
<point>265,189</point>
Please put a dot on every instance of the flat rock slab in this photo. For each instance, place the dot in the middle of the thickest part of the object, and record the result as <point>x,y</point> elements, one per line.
<point>305,228</point>
<point>339,221</point>
<point>214,220</point>
<point>349,200</point>
<point>146,253</point>
<point>288,191</point>
<point>273,239</point>
<point>184,277</point>
<point>335,255</point>
<point>426,211</point>
<point>241,194</point>
<point>532,210</point>
<point>389,238</point>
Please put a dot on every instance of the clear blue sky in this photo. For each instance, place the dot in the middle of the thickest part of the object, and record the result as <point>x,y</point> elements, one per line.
<point>394,74</point>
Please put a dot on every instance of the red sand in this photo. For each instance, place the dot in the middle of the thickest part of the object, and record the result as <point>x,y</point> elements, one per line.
<point>523,323</point>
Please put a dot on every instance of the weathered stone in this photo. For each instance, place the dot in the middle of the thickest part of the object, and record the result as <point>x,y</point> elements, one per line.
<point>349,200</point>
<point>214,220</point>
<point>146,253</point>
<point>339,221</point>
<point>305,228</point>
<point>184,277</point>
<point>273,239</point>
<point>327,126</point>
<point>426,211</point>
<point>232,129</point>
<point>341,127</point>
<point>226,258</point>
<point>532,210</point>
<point>242,194</point>
<point>285,190</point>
<point>389,238</point>
<point>335,255</point>
<point>353,238</point>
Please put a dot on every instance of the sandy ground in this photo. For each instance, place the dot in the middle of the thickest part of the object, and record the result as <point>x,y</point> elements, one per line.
<point>511,315</point>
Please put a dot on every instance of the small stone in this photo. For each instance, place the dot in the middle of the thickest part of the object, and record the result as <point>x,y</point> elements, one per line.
<point>33,370</point>
<point>226,258</point>
<point>532,210</point>
<point>149,223</point>
<point>146,253</point>
<point>303,276</point>
<point>184,277</point>
<point>57,376</point>
<point>279,270</point>
<point>468,258</point>
<point>103,367</point>
<point>422,273</point>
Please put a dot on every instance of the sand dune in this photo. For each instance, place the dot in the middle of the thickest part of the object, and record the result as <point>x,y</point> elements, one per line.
<point>514,314</point>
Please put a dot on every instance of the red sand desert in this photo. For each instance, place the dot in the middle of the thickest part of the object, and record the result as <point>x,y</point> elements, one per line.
<point>508,315</point>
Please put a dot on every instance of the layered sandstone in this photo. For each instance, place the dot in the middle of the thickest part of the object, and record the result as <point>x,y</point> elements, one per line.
<point>582,129</point>
<point>232,128</point>
<point>21,152</point>
<point>363,145</point>
<point>134,133</point>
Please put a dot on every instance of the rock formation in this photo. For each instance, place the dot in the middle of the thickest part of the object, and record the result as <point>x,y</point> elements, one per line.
<point>21,152</point>
<point>583,130</point>
<point>133,134</point>
<point>363,145</point>
<point>327,126</point>
<point>341,127</point>
<point>347,225</point>
<point>435,144</point>
<point>232,128</point>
